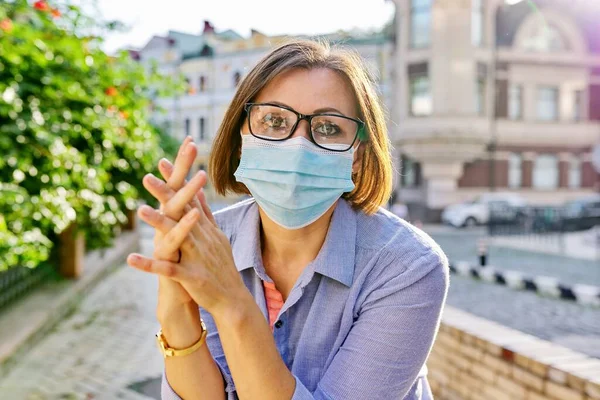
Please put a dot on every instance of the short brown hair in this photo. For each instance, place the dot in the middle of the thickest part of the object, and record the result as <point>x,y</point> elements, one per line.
<point>373,181</point>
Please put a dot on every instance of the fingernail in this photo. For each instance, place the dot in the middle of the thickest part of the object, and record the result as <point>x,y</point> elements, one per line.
<point>165,163</point>
<point>135,257</point>
<point>152,179</point>
<point>191,146</point>
<point>146,210</point>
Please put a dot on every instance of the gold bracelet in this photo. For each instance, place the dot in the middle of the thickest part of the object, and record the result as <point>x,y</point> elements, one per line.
<point>171,352</point>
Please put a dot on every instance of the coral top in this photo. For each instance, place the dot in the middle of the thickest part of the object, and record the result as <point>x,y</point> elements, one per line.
<point>274,301</point>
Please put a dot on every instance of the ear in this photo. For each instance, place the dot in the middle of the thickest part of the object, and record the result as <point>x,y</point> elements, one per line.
<point>244,128</point>
<point>359,153</point>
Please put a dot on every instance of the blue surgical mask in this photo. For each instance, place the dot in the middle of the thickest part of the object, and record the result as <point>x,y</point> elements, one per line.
<point>294,181</point>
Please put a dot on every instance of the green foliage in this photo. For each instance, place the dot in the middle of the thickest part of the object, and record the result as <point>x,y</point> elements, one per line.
<point>75,136</point>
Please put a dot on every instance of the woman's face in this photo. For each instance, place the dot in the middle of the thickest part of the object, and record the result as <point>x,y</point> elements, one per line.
<point>310,92</point>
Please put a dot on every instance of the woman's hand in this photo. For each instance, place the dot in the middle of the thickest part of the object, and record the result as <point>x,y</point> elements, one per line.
<point>171,295</point>
<point>206,270</point>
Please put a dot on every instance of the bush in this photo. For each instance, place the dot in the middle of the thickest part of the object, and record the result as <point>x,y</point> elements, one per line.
<point>74,132</point>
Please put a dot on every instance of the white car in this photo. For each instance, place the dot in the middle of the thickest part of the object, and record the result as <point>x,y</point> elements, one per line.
<point>477,212</point>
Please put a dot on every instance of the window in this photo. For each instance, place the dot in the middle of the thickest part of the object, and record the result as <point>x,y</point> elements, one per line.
<point>545,38</point>
<point>547,104</point>
<point>545,172</point>
<point>201,129</point>
<point>202,83</point>
<point>187,127</point>
<point>421,103</point>
<point>578,106</point>
<point>515,102</point>
<point>410,173</point>
<point>237,77</point>
<point>420,96</point>
<point>420,23</point>
<point>480,96</point>
<point>574,172</point>
<point>514,170</point>
<point>477,18</point>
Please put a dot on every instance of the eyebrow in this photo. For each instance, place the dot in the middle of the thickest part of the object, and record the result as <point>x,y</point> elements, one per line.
<point>317,111</point>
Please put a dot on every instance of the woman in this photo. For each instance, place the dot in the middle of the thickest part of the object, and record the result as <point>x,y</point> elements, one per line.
<point>308,290</point>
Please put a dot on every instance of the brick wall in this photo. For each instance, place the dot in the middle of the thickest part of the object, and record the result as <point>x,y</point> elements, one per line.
<point>474,358</point>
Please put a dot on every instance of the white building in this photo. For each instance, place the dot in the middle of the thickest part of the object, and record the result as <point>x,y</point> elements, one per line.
<point>495,95</point>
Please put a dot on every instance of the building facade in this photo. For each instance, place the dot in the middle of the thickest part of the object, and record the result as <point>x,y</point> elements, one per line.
<point>495,95</point>
<point>213,64</point>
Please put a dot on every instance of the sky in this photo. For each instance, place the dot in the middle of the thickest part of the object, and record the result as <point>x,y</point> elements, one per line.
<point>155,17</point>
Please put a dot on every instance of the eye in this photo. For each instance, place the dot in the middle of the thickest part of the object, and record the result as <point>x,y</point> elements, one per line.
<point>327,129</point>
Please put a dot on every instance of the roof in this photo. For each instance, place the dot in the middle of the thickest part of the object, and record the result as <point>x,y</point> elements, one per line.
<point>586,15</point>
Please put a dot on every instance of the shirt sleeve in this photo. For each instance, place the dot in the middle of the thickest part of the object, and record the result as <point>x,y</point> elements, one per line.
<point>390,340</point>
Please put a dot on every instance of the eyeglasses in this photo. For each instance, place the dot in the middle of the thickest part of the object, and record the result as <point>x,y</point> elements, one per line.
<point>329,131</point>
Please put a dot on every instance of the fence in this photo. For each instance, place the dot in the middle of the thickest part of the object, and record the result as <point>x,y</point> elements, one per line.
<point>17,282</point>
<point>66,261</point>
<point>548,227</point>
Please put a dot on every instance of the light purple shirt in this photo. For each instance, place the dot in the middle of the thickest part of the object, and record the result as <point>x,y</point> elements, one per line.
<point>360,321</point>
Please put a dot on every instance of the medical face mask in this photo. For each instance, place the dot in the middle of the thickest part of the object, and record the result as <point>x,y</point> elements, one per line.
<point>294,181</point>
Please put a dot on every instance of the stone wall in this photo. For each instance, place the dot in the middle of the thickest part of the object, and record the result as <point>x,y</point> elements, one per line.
<point>474,358</point>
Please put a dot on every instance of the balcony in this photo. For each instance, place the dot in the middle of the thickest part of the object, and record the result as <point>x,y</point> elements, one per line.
<point>563,134</point>
<point>198,100</point>
<point>444,128</point>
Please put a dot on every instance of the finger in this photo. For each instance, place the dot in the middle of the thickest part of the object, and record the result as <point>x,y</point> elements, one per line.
<point>161,222</point>
<point>179,236</point>
<point>166,170</point>
<point>157,188</point>
<point>159,267</point>
<point>201,197</point>
<point>163,225</point>
<point>173,202</point>
<point>186,140</point>
<point>183,164</point>
<point>186,195</point>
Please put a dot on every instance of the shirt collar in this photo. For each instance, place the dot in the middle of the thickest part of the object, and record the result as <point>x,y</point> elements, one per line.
<point>335,259</point>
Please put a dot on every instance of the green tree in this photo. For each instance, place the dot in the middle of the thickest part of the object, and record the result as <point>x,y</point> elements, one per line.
<point>75,136</point>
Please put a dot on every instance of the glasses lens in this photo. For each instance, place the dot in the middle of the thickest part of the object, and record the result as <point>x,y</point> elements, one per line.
<point>271,122</point>
<point>333,132</point>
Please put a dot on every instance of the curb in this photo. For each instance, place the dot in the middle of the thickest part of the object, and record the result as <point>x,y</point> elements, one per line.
<point>29,323</point>
<point>545,285</point>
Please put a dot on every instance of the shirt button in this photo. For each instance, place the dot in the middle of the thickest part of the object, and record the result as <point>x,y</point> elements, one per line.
<point>278,324</point>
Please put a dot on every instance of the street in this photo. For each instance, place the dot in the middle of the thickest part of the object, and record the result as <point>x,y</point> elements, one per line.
<point>563,322</point>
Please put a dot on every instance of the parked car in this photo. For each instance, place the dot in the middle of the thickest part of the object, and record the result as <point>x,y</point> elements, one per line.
<point>507,206</point>
<point>582,214</point>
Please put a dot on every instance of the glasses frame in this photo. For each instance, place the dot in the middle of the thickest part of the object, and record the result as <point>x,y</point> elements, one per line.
<point>308,117</point>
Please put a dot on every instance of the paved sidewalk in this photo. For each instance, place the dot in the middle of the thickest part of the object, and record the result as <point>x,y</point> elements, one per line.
<point>105,347</point>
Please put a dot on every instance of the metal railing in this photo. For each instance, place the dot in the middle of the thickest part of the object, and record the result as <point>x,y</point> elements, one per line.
<point>547,228</point>
<point>536,221</point>
<point>19,281</point>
